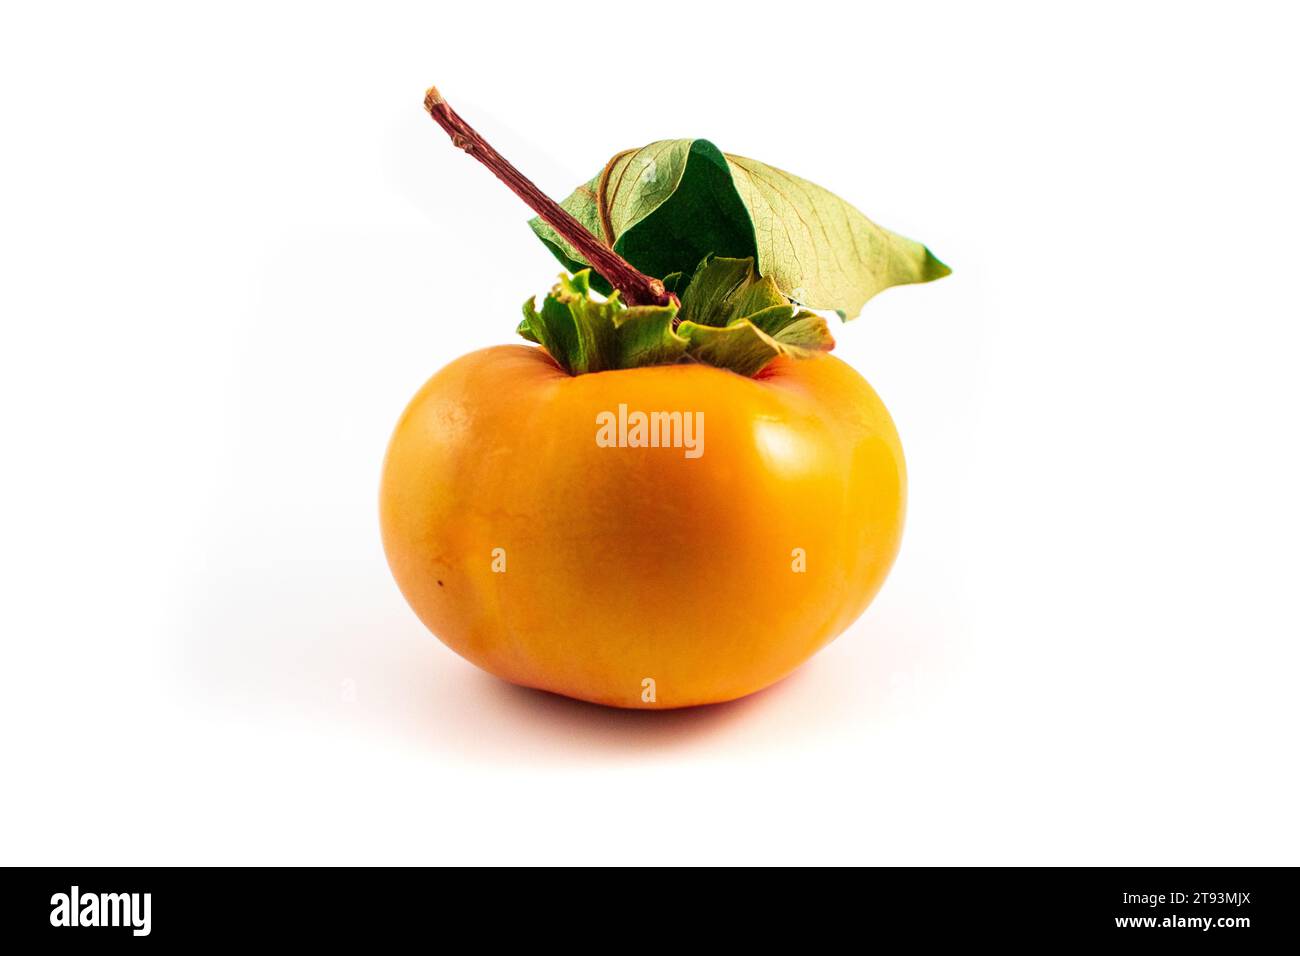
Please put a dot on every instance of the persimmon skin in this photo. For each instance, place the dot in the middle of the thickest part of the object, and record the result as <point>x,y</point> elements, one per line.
<point>622,564</point>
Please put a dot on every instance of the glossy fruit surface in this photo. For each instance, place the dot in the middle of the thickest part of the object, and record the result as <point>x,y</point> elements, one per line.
<point>556,563</point>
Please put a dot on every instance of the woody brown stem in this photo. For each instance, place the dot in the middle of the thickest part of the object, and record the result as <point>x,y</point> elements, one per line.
<point>635,287</point>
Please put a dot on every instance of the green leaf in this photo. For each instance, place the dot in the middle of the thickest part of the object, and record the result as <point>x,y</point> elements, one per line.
<point>821,251</point>
<point>670,204</point>
<point>667,206</point>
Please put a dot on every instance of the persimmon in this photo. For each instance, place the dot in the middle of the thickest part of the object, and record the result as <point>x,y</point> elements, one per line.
<point>674,498</point>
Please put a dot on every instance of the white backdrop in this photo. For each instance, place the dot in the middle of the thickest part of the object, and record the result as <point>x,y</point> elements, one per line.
<point>233,246</point>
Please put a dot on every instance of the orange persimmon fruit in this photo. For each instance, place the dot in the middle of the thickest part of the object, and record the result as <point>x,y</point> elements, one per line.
<point>556,563</point>
<point>675,496</point>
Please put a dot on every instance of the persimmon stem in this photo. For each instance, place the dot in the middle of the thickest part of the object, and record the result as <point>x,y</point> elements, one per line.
<point>635,287</point>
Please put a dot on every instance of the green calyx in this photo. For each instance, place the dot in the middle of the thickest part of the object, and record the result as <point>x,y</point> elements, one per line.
<point>730,317</point>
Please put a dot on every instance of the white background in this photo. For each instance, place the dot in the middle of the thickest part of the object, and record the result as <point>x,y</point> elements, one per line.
<point>233,246</point>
